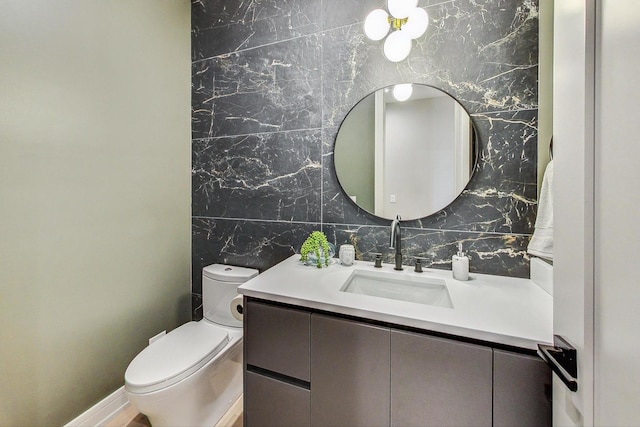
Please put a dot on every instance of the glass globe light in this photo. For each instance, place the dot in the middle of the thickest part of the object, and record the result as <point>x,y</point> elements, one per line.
<point>376,25</point>
<point>417,23</point>
<point>397,46</point>
<point>402,92</point>
<point>400,8</point>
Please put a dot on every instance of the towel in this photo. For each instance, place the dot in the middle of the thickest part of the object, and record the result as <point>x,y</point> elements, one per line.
<point>541,243</point>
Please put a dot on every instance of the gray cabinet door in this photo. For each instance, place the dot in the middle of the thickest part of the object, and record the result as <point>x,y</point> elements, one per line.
<point>277,339</point>
<point>269,402</point>
<point>521,390</point>
<point>439,382</point>
<point>349,373</point>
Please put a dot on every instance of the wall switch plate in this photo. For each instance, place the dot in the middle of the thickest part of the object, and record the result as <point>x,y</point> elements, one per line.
<point>157,337</point>
<point>392,198</point>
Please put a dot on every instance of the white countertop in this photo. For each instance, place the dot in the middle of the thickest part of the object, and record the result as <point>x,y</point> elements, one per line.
<point>503,310</point>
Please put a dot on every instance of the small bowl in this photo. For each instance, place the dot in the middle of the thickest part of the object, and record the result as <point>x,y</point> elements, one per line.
<point>313,260</point>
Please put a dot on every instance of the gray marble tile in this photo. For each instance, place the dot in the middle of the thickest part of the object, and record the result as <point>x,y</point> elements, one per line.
<point>274,176</point>
<point>202,106</point>
<point>254,244</point>
<point>489,253</point>
<point>196,306</point>
<point>494,64</point>
<point>225,26</point>
<point>482,53</point>
<point>276,67</point>
<point>268,89</point>
<point>338,13</point>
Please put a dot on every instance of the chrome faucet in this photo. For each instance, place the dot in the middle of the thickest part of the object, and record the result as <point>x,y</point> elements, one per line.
<point>395,241</point>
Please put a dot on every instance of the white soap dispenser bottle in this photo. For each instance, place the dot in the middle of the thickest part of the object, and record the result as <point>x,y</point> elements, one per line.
<point>460,265</point>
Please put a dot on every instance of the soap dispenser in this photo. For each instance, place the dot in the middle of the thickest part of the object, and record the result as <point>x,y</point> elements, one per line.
<point>460,265</point>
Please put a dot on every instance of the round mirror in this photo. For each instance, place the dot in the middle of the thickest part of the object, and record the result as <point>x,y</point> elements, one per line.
<point>407,149</point>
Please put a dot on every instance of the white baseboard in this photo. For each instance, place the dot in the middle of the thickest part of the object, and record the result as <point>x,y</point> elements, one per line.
<point>103,411</point>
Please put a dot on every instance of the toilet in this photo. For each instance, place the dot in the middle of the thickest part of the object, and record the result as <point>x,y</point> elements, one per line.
<point>192,375</point>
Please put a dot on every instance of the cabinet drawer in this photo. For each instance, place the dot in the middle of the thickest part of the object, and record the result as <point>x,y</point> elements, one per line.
<point>349,373</point>
<point>277,339</point>
<point>269,402</point>
<point>521,390</point>
<point>439,382</point>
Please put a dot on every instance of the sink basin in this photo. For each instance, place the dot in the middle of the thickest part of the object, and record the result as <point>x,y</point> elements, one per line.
<point>391,285</point>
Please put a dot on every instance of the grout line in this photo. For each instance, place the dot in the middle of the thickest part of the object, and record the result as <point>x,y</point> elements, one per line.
<point>320,32</point>
<point>517,110</point>
<point>256,220</point>
<point>332,224</point>
<point>257,133</point>
<point>226,54</point>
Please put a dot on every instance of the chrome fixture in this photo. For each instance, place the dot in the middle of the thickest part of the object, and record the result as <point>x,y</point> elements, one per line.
<point>378,263</point>
<point>420,262</point>
<point>395,241</point>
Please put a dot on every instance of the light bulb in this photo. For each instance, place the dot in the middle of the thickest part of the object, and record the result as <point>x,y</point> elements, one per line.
<point>376,25</point>
<point>397,46</point>
<point>400,8</point>
<point>402,92</point>
<point>417,23</point>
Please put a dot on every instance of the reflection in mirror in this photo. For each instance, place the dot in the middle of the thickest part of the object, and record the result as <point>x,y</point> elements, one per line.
<point>410,157</point>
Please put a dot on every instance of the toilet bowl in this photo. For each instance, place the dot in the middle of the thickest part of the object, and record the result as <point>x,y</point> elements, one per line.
<point>193,375</point>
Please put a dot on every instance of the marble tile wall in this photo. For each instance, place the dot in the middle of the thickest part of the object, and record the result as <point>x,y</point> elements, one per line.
<point>272,81</point>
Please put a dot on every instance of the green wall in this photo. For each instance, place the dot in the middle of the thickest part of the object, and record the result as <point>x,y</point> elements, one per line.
<point>94,196</point>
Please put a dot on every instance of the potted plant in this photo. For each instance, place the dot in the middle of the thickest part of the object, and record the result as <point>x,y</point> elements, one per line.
<point>316,250</point>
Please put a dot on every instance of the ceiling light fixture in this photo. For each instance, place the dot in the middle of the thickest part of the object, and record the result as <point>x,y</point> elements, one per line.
<point>405,20</point>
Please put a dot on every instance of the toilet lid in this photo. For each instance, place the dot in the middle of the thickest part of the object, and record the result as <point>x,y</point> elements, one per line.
<point>229,273</point>
<point>175,356</point>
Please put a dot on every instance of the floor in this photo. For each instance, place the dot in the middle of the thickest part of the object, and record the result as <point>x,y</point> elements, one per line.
<point>130,417</point>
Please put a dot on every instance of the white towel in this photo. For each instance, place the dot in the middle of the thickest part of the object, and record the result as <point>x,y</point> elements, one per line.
<point>541,243</point>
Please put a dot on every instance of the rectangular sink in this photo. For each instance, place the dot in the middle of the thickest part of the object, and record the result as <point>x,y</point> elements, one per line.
<point>417,289</point>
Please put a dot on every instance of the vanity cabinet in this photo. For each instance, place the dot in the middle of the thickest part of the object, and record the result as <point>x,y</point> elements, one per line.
<point>307,368</point>
<point>276,365</point>
<point>521,390</point>
<point>349,373</point>
<point>439,382</point>
<point>279,339</point>
<point>271,402</point>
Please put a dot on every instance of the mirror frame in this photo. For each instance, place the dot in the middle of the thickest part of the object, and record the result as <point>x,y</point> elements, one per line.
<point>475,154</point>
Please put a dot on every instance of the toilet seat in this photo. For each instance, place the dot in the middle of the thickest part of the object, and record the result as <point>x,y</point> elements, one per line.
<point>175,356</point>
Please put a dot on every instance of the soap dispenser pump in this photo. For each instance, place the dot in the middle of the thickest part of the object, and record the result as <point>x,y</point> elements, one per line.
<point>460,264</point>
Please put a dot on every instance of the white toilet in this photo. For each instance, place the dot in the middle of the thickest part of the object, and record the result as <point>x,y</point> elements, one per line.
<point>192,376</point>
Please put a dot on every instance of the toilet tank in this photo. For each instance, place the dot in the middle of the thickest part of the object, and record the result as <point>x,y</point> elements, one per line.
<point>219,286</point>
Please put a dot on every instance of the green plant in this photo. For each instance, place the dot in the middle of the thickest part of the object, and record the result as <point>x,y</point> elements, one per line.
<point>316,242</point>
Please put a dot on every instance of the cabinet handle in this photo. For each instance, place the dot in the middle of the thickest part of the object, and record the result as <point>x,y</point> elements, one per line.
<point>561,357</point>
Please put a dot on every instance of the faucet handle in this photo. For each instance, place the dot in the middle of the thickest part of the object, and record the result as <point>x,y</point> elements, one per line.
<point>378,260</point>
<point>420,262</point>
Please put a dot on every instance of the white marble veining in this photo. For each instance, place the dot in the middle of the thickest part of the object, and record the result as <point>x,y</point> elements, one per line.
<point>503,310</point>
